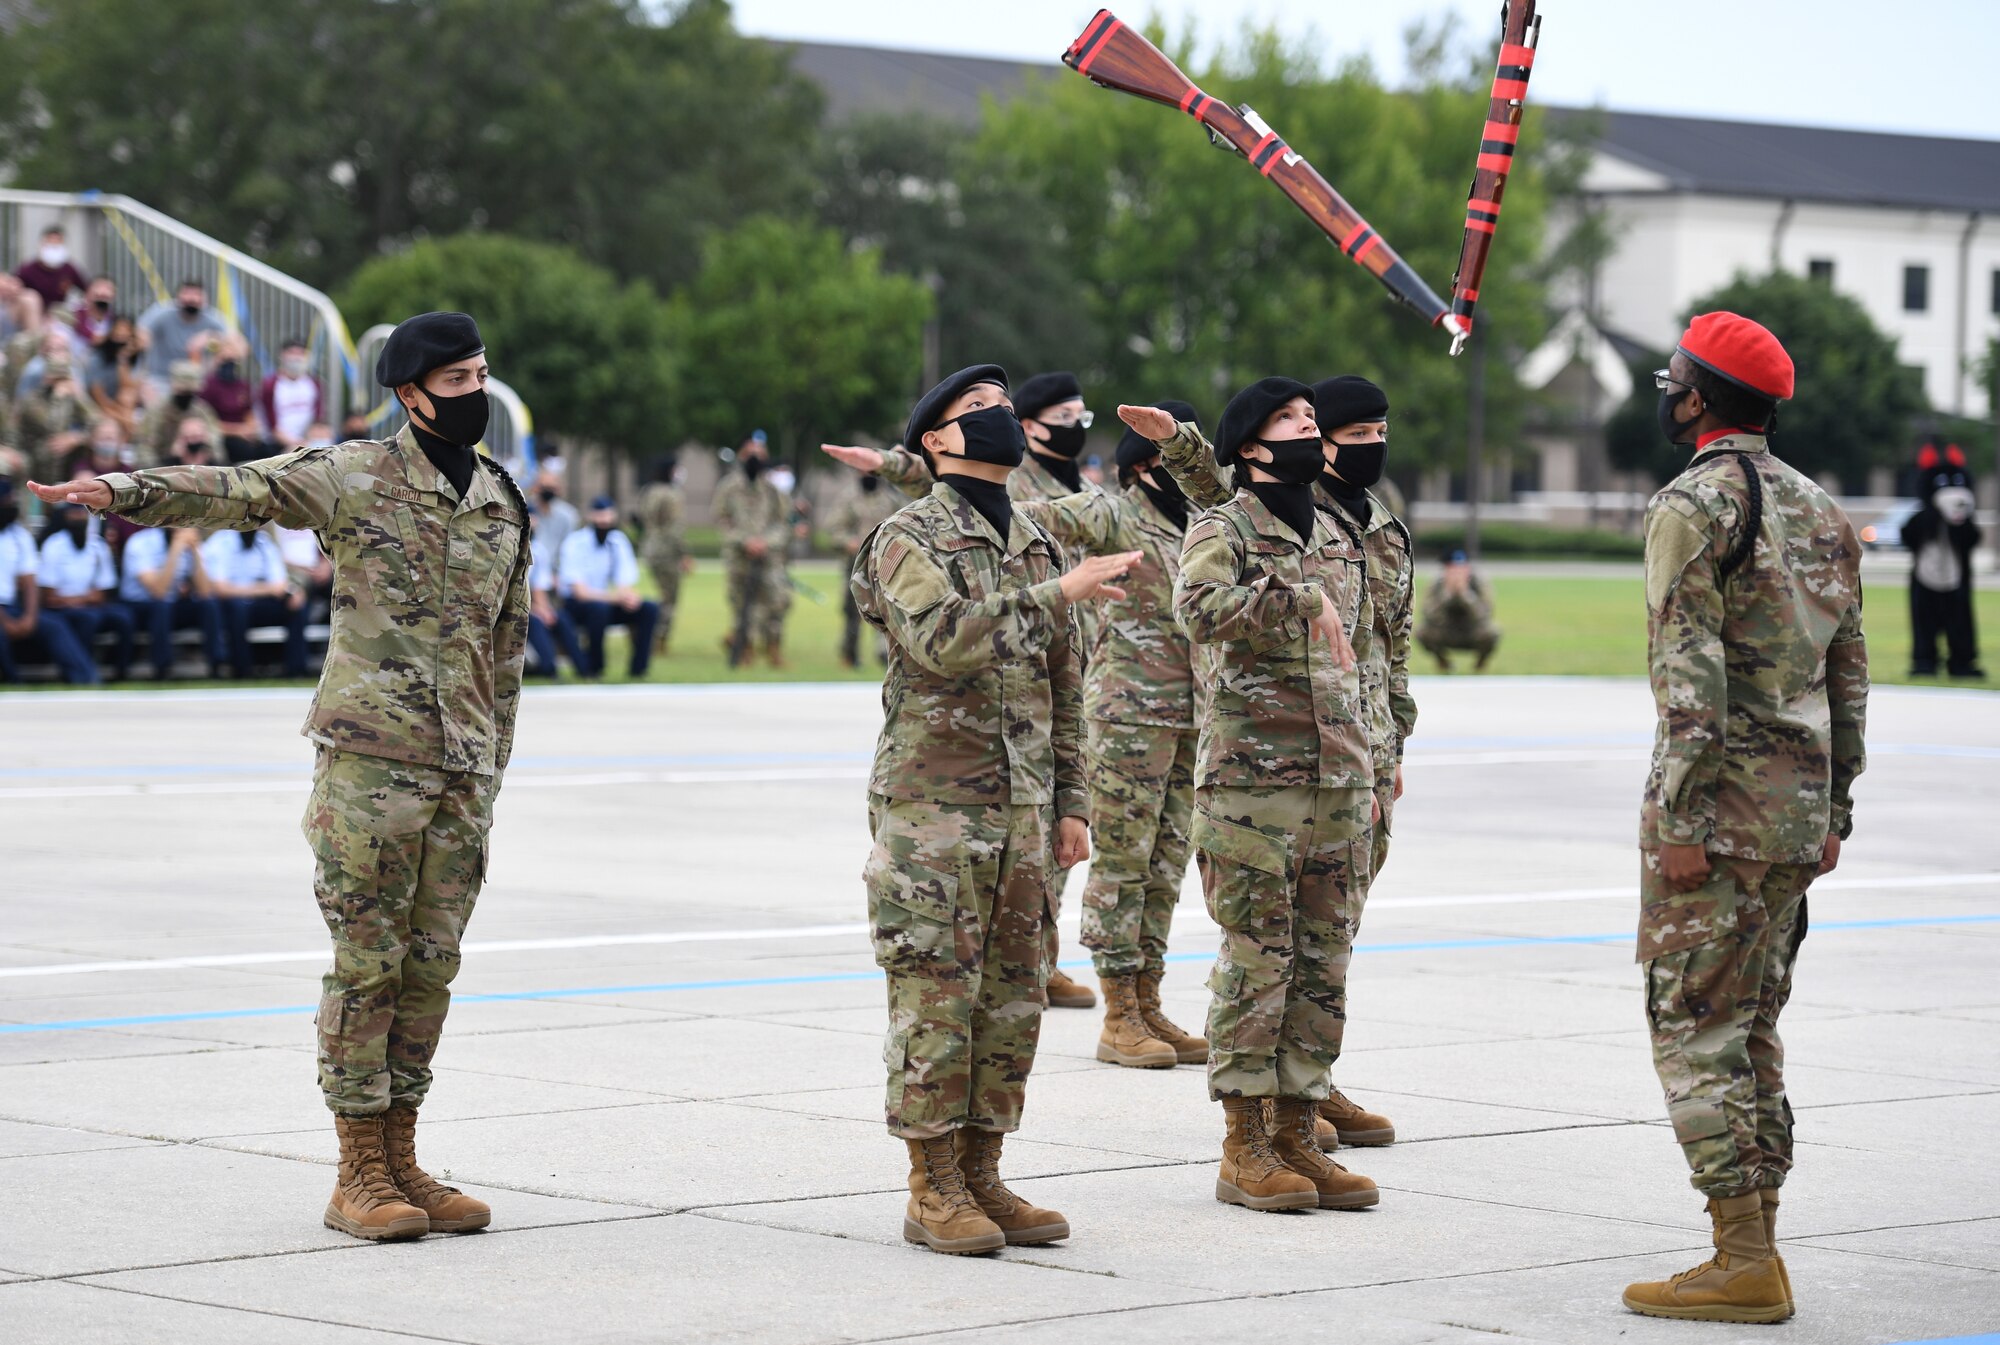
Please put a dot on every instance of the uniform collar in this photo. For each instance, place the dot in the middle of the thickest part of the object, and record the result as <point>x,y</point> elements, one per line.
<point>1149,516</point>
<point>1736,441</point>
<point>419,472</point>
<point>972,523</point>
<point>1271,527</point>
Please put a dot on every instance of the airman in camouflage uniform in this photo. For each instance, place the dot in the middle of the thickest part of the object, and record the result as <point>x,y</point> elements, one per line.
<point>1269,586</point>
<point>413,721</point>
<point>662,514</point>
<point>977,794</point>
<point>160,429</point>
<point>858,513</point>
<point>1760,674</point>
<point>756,523</point>
<point>1458,614</point>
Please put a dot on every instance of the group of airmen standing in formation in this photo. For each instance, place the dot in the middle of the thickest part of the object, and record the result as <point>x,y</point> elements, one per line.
<point>1210,659</point>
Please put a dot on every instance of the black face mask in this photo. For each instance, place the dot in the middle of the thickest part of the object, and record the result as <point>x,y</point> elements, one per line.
<point>226,371</point>
<point>1673,429</point>
<point>1065,441</point>
<point>1168,498</point>
<point>993,434</point>
<point>101,305</point>
<point>1296,462</point>
<point>191,310</point>
<point>548,495</point>
<point>602,533</point>
<point>78,531</point>
<point>249,540</point>
<point>459,420</point>
<point>870,484</point>
<point>110,347</point>
<point>10,514</point>
<point>753,468</point>
<point>183,400</point>
<point>1360,465</point>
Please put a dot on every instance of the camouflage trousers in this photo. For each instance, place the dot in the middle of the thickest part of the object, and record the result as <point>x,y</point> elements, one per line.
<point>1141,811</point>
<point>401,854</point>
<point>762,586</point>
<point>666,578</point>
<point>1283,870</point>
<point>1718,972</point>
<point>1378,846</point>
<point>959,899</point>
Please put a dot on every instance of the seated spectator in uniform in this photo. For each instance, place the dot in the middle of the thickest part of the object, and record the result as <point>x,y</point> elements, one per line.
<point>599,575</point>
<point>54,423</point>
<point>99,310</point>
<point>50,272</point>
<point>246,573</point>
<point>79,580</point>
<point>171,332</point>
<point>24,627</point>
<point>1458,615</point>
<point>229,390</point>
<point>158,430</point>
<point>166,589</point>
<point>549,626</point>
<point>559,516</point>
<point>55,355</point>
<point>111,375</point>
<point>291,399</point>
<point>198,444</point>
<point>355,426</point>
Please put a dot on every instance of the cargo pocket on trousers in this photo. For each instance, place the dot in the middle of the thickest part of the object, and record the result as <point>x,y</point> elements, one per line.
<point>1230,847</point>
<point>1698,1118</point>
<point>1673,922</point>
<point>912,911</point>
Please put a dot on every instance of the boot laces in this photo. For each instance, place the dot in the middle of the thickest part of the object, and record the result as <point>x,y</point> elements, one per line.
<point>403,1162</point>
<point>941,1170</point>
<point>368,1171</point>
<point>986,1169</point>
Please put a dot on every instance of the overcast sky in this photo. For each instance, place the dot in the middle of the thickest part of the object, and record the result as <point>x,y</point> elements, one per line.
<point>1918,65</point>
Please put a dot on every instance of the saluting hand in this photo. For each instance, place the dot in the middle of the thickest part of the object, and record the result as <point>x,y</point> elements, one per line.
<point>860,459</point>
<point>1092,577</point>
<point>87,491</point>
<point>1334,631</point>
<point>1149,421</point>
<point>1072,842</point>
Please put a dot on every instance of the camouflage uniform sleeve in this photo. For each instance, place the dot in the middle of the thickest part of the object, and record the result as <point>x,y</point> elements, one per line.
<point>297,490</point>
<point>905,471</point>
<point>1687,663</point>
<point>1066,733</point>
<point>1085,521</point>
<point>942,629</point>
<point>510,656</point>
<point>777,529</point>
<point>1190,460</point>
<point>1847,699</point>
<point>1402,705</point>
<point>1215,599</point>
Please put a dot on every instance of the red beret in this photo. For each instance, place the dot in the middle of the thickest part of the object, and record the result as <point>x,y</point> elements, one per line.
<point>1742,351</point>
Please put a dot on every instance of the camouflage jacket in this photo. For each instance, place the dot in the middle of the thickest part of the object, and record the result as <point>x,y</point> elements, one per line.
<point>859,513</point>
<point>1761,675</point>
<point>1381,639</point>
<point>661,513</point>
<point>1451,617</point>
<point>1279,710</point>
<point>1139,672</point>
<point>982,700</point>
<point>430,595</point>
<point>744,509</point>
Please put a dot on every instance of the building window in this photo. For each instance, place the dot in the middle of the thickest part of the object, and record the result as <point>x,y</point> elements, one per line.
<point>1916,289</point>
<point>1820,269</point>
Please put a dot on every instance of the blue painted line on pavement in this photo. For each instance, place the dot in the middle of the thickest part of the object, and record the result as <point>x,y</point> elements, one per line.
<point>835,978</point>
<point>1990,1338</point>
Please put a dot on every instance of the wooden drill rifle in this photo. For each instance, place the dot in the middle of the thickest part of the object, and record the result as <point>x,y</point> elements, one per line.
<point>1119,57</point>
<point>1521,30</point>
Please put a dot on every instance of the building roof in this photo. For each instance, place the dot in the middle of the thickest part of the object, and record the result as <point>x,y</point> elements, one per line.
<point>864,80</point>
<point>1806,163</point>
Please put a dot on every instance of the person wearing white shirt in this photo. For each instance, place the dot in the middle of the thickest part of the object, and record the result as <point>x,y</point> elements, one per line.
<point>79,580</point>
<point>23,623</point>
<point>549,625</point>
<point>246,573</point>
<point>166,590</point>
<point>598,573</point>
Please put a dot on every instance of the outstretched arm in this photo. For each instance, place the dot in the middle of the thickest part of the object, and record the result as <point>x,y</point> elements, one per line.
<point>297,490</point>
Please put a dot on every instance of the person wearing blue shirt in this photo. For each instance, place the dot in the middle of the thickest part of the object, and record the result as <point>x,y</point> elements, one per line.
<point>599,575</point>
<point>80,581</point>
<point>23,623</point>
<point>246,573</point>
<point>549,625</point>
<point>166,590</point>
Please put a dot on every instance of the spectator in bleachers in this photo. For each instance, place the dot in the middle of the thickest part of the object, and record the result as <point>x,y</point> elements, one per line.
<point>559,516</point>
<point>14,315</point>
<point>54,421</point>
<point>599,575</point>
<point>163,423</point>
<point>309,567</point>
<point>111,375</point>
<point>172,332</point>
<point>549,626</point>
<point>246,573</point>
<point>234,397</point>
<point>166,589</point>
<point>355,426</point>
<point>55,349</point>
<point>50,272</point>
<point>99,308</point>
<point>291,398</point>
<point>24,626</point>
<point>199,443</point>
<point>79,580</point>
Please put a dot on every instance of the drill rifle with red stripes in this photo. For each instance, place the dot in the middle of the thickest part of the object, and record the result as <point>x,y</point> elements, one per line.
<point>1521,31</point>
<point>1112,53</point>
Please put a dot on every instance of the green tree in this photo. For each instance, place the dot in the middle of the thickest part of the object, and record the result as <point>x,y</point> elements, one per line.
<point>791,329</point>
<point>590,357</point>
<point>1855,405</point>
<point>318,133</point>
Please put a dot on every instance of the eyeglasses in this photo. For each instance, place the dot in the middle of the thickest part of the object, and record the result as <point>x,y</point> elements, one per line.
<point>1084,419</point>
<point>1665,381</point>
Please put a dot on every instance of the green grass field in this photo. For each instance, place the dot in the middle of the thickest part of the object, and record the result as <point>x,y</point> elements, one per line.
<point>1582,626</point>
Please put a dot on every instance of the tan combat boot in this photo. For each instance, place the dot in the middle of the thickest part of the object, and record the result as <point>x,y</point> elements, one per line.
<point>1362,1129</point>
<point>1067,994</point>
<point>1253,1175</point>
<point>366,1203</point>
<point>1769,1195</point>
<point>1292,1137</point>
<point>1018,1221</point>
<point>1188,1049</point>
<point>1125,1040</point>
<point>1742,1282</point>
<point>450,1209</point>
<point>775,652</point>
<point>942,1213</point>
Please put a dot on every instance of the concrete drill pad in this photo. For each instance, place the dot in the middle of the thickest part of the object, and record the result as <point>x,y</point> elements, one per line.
<point>21,1139</point>
<point>56,1312</point>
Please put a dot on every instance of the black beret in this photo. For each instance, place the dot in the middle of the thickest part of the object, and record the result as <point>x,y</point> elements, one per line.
<point>1249,409</point>
<point>929,409</point>
<point>425,342</point>
<point>1043,391</point>
<point>1347,400</point>
<point>1135,447</point>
